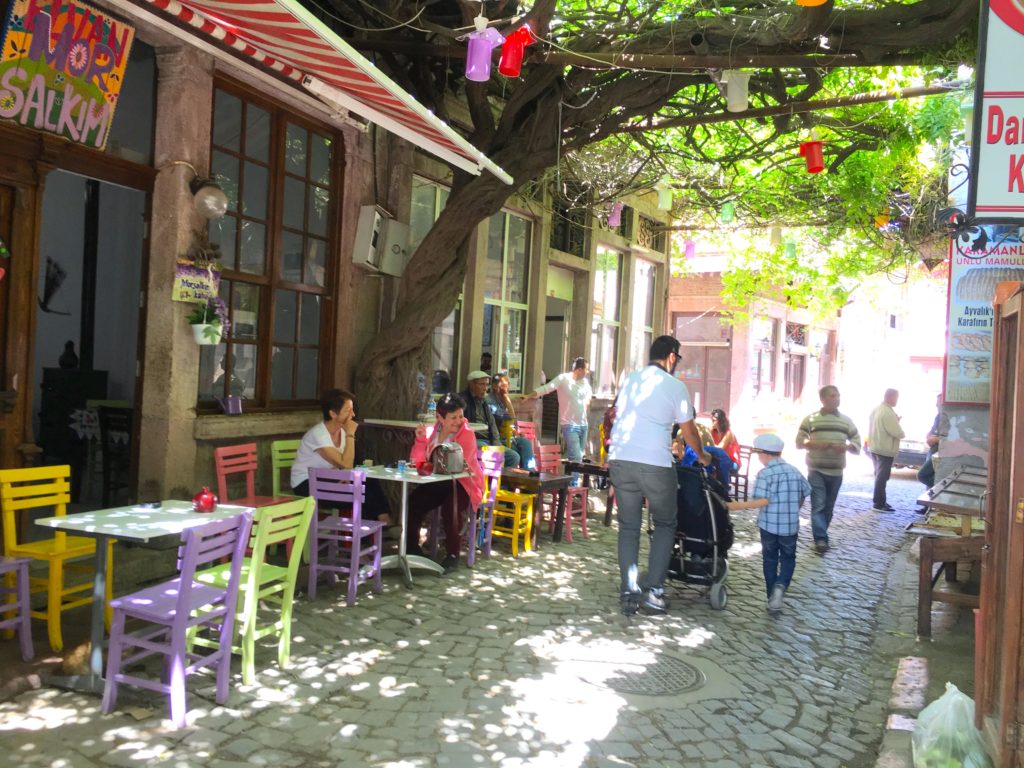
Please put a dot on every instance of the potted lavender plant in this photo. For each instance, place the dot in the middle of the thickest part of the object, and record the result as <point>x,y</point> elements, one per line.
<point>209,321</point>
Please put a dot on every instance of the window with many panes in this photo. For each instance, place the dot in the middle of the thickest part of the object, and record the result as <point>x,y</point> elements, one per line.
<point>642,321</point>
<point>428,199</point>
<point>506,273</point>
<point>279,175</point>
<point>604,334</point>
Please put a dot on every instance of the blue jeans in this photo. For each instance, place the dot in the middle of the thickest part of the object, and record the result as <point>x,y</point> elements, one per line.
<point>824,492</point>
<point>779,555</point>
<point>523,448</point>
<point>575,438</point>
<point>632,481</point>
<point>926,474</point>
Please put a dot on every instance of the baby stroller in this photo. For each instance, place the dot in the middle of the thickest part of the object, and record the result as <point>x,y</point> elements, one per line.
<point>704,534</point>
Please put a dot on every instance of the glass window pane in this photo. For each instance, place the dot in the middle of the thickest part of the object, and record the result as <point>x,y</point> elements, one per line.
<point>224,169</point>
<point>257,133</point>
<point>309,319</point>
<point>253,251</point>
<point>517,268</point>
<point>294,203</point>
<point>245,311</point>
<point>319,201</point>
<point>495,254</point>
<point>281,365</point>
<point>308,375</point>
<point>291,256</point>
<point>284,316</point>
<point>422,213</point>
<point>609,350</point>
<point>320,159</point>
<point>719,363</point>
<point>227,121</point>
<point>211,360</point>
<point>316,262</point>
<point>243,370</point>
<point>222,232</point>
<point>691,363</point>
<point>512,348</point>
<point>491,315</point>
<point>442,353</point>
<point>254,191</point>
<point>295,149</point>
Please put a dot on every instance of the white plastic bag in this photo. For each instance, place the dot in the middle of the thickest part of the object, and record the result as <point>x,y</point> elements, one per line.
<point>945,736</point>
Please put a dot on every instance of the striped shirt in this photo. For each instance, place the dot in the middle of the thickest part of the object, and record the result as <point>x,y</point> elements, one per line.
<point>827,428</point>
<point>785,488</point>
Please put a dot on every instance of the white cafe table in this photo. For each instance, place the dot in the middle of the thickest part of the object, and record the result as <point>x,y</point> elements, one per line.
<point>403,561</point>
<point>133,523</point>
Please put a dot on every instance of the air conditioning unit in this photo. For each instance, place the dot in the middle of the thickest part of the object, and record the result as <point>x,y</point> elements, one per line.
<point>382,244</point>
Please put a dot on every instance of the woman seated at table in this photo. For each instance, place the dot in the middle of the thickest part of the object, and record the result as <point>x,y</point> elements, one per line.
<point>456,499</point>
<point>331,444</point>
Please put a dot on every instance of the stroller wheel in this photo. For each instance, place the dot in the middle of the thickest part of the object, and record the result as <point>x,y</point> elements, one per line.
<point>719,596</point>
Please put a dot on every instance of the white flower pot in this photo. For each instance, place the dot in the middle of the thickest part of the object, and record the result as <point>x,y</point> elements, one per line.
<point>208,333</point>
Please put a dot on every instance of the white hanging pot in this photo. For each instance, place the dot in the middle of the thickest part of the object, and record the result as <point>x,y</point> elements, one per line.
<point>206,333</point>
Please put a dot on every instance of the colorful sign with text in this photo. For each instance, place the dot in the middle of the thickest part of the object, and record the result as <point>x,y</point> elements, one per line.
<point>973,276</point>
<point>195,283</point>
<point>62,68</point>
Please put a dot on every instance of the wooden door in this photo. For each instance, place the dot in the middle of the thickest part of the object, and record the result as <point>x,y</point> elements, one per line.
<point>999,691</point>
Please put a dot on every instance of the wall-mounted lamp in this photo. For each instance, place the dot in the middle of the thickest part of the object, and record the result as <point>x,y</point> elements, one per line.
<point>787,346</point>
<point>765,344</point>
<point>209,199</point>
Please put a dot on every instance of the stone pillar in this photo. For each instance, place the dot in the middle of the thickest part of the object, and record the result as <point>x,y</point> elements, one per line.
<point>167,448</point>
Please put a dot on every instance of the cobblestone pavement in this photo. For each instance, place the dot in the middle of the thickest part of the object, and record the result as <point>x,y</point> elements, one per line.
<point>522,663</point>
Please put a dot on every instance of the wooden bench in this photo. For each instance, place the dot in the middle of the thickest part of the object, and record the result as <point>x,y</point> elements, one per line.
<point>946,551</point>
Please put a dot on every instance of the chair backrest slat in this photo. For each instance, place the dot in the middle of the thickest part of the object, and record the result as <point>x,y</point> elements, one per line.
<point>491,462</point>
<point>235,459</point>
<point>549,458</point>
<point>345,486</point>
<point>209,544</point>
<point>282,456</point>
<point>33,488</point>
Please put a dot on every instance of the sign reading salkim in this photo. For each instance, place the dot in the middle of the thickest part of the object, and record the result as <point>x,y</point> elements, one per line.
<point>999,143</point>
<point>62,67</point>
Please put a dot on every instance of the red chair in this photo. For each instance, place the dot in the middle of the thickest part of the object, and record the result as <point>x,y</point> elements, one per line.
<point>233,460</point>
<point>549,459</point>
<point>528,430</point>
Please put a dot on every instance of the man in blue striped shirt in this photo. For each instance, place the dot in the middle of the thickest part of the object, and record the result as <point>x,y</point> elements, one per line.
<point>779,491</point>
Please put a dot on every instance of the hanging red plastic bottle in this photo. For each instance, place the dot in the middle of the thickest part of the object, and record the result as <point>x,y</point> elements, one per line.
<point>511,61</point>
<point>811,152</point>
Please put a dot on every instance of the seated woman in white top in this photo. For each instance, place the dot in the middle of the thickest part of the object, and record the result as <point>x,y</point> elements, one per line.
<point>331,444</point>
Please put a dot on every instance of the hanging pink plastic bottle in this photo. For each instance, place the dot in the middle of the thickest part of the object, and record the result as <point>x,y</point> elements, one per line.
<point>511,61</point>
<point>615,215</point>
<point>478,53</point>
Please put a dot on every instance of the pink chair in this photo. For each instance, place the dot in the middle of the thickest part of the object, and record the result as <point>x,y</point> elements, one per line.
<point>20,606</point>
<point>175,611</point>
<point>338,544</point>
<point>232,460</point>
<point>480,526</point>
<point>549,459</point>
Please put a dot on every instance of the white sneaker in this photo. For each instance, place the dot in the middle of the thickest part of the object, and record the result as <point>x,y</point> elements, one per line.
<point>775,601</point>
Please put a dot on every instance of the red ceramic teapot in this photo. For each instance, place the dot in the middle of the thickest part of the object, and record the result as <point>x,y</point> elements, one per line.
<point>205,501</point>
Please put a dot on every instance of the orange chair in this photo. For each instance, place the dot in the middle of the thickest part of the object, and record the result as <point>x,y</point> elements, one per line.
<point>550,460</point>
<point>231,460</point>
<point>50,488</point>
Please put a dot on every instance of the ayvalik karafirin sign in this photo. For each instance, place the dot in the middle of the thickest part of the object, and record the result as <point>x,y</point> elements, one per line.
<point>62,67</point>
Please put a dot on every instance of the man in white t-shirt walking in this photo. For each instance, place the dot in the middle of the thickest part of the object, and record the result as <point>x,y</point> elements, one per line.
<point>640,460</point>
<point>574,395</point>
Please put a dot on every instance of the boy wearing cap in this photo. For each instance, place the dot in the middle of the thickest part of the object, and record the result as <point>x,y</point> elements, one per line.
<point>779,491</point>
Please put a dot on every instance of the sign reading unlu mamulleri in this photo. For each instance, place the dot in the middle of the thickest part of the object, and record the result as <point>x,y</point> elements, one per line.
<point>62,67</point>
<point>973,277</point>
<point>997,190</point>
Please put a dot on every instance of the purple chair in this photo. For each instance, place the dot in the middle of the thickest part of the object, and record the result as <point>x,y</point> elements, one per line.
<point>338,545</point>
<point>175,611</point>
<point>16,568</point>
<point>480,525</point>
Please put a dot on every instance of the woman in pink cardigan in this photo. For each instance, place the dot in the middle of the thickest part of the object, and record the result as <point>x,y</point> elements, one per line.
<point>456,499</point>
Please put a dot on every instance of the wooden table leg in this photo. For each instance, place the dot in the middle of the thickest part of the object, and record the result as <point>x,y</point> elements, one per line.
<point>924,588</point>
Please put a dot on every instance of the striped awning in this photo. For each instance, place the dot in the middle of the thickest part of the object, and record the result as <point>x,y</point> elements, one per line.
<point>283,36</point>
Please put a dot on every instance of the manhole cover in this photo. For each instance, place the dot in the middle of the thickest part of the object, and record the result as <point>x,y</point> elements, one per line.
<point>664,677</point>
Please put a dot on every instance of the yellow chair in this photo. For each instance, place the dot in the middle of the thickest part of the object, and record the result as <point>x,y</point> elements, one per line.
<point>513,517</point>
<point>282,456</point>
<point>22,490</point>
<point>602,451</point>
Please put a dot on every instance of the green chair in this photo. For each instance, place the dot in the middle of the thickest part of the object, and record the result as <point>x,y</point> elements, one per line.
<point>282,456</point>
<point>265,583</point>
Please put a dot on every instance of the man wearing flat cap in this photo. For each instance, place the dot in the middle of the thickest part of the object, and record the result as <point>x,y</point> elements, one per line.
<point>477,411</point>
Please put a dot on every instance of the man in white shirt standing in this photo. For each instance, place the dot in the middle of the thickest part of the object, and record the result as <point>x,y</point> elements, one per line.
<point>640,460</point>
<point>574,395</point>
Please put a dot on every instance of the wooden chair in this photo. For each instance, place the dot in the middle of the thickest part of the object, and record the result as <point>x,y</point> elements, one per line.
<point>741,477</point>
<point>233,460</point>
<point>550,460</point>
<point>176,608</point>
<point>265,584</point>
<point>349,546</point>
<point>22,490</point>
<point>115,449</point>
<point>480,525</point>
<point>282,456</point>
<point>21,620</point>
<point>528,430</point>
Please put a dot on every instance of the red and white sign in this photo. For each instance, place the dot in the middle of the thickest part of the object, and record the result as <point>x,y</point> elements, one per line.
<point>999,130</point>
